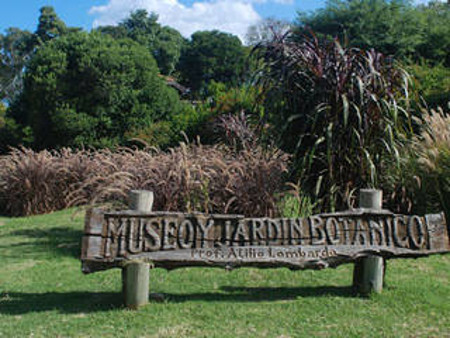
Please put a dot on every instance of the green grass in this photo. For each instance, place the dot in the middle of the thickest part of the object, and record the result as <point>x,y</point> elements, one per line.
<point>44,293</point>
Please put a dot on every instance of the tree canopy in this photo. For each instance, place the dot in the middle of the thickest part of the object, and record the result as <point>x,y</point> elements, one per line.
<point>163,42</point>
<point>50,25</point>
<point>266,30</point>
<point>15,48</point>
<point>392,27</point>
<point>89,89</point>
<point>212,55</point>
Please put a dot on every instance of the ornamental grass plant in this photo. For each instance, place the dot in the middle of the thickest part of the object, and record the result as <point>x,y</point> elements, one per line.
<point>421,181</point>
<point>191,177</point>
<point>344,113</point>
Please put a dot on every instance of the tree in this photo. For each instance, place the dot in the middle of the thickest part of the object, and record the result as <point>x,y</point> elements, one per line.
<point>50,25</point>
<point>436,31</point>
<point>116,32</point>
<point>390,27</point>
<point>163,42</point>
<point>89,89</point>
<point>265,31</point>
<point>212,55</point>
<point>15,48</point>
<point>167,49</point>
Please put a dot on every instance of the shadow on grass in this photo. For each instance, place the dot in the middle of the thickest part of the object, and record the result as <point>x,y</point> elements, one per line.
<point>261,294</point>
<point>60,241</point>
<point>17,303</point>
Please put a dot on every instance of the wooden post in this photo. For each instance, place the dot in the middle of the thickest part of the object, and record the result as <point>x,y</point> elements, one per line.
<point>140,200</point>
<point>135,275</point>
<point>368,273</point>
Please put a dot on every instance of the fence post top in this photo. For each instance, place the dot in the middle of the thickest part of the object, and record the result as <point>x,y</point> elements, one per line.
<point>371,199</point>
<point>141,200</point>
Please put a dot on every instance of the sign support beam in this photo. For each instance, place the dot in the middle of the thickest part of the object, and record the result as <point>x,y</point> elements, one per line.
<point>136,275</point>
<point>368,273</point>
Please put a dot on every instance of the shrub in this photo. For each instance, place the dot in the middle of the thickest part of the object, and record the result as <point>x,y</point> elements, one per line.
<point>89,90</point>
<point>224,102</point>
<point>187,178</point>
<point>432,82</point>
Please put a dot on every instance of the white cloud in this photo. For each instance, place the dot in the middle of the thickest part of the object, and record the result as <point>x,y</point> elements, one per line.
<point>233,16</point>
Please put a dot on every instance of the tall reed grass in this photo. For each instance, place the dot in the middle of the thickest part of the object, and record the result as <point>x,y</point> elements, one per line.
<point>421,180</point>
<point>191,177</point>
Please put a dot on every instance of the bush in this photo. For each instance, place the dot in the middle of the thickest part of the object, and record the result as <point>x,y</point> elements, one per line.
<point>188,178</point>
<point>90,90</point>
<point>432,82</point>
<point>223,102</point>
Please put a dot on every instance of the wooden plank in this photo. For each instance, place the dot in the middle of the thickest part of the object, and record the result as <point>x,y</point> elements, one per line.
<point>94,222</point>
<point>170,239</point>
<point>294,257</point>
<point>438,230</point>
<point>91,247</point>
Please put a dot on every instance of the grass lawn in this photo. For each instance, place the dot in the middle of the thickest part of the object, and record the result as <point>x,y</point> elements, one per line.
<point>44,293</point>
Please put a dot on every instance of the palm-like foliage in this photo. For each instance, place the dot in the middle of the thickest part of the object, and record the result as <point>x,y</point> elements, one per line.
<point>341,111</point>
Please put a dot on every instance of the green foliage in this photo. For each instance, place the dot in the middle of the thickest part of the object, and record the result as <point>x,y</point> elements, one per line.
<point>435,27</point>
<point>223,101</point>
<point>295,203</point>
<point>160,134</point>
<point>89,90</point>
<point>50,26</point>
<point>212,55</point>
<point>167,49</point>
<point>342,112</point>
<point>12,134</point>
<point>391,27</point>
<point>432,82</point>
<point>15,47</point>
<point>18,46</point>
<point>420,182</point>
<point>232,101</point>
<point>165,43</point>
<point>2,114</point>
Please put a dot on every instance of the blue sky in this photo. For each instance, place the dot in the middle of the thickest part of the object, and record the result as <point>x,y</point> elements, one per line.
<point>186,15</point>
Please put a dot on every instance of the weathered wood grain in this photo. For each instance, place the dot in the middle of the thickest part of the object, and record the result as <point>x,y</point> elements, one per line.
<point>368,272</point>
<point>135,274</point>
<point>172,240</point>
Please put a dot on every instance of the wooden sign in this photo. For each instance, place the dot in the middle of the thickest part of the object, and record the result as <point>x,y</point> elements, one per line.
<point>172,240</point>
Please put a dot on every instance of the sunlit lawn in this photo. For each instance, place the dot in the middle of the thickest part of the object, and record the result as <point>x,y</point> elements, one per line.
<point>44,293</point>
